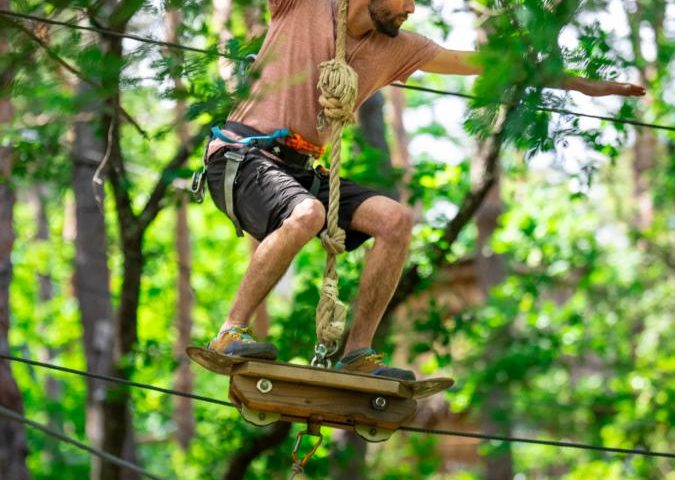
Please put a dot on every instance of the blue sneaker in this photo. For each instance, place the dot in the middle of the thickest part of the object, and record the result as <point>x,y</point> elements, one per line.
<point>238,342</point>
<point>366,360</point>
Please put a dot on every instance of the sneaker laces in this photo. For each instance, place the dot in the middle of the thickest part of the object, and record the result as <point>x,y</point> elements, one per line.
<point>240,333</point>
<point>375,358</point>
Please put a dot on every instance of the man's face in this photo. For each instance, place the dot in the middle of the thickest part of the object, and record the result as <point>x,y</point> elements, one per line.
<point>389,15</point>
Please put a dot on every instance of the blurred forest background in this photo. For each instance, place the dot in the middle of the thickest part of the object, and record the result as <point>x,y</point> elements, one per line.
<point>540,275</point>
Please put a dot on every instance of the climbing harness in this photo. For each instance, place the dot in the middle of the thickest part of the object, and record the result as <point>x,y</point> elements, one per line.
<point>299,144</point>
<point>338,84</point>
<point>262,141</point>
<point>282,146</point>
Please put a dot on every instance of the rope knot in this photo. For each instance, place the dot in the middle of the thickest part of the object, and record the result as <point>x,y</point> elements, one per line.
<point>331,314</point>
<point>338,84</point>
<point>334,245</point>
<point>297,471</point>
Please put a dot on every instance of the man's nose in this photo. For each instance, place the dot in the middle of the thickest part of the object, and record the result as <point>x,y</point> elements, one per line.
<point>410,7</point>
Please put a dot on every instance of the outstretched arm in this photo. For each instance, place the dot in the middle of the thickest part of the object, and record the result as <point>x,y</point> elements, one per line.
<point>600,88</point>
<point>453,62</point>
<point>457,62</point>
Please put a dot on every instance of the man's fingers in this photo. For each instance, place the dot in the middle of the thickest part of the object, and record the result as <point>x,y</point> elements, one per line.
<point>630,89</point>
<point>599,89</point>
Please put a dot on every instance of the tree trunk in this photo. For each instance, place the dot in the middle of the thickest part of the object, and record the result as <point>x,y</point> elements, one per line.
<point>400,155</point>
<point>13,448</point>
<point>92,275</point>
<point>496,417</point>
<point>242,459</point>
<point>372,126</point>
<point>118,431</point>
<point>221,15</point>
<point>53,388</point>
<point>118,435</point>
<point>354,449</point>
<point>644,151</point>
<point>183,411</point>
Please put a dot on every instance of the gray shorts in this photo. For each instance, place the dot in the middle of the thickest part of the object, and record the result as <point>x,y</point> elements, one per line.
<point>266,192</point>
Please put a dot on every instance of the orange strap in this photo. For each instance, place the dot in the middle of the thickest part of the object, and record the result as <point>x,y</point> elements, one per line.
<point>299,144</point>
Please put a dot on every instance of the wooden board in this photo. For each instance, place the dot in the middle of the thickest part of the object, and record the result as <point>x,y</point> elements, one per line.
<point>321,404</point>
<point>428,386</point>
<point>214,361</point>
<point>299,374</point>
<point>321,377</point>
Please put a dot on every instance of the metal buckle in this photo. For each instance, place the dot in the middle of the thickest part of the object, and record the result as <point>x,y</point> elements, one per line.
<point>321,354</point>
<point>197,186</point>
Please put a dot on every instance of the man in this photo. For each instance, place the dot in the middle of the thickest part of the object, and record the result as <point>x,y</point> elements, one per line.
<point>281,201</point>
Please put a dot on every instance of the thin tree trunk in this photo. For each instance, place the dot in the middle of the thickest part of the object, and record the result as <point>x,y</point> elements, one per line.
<point>92,275</point>
<point>118,434</point>
<point>183,412</point>
<point>496,414</point>
<point>222,10</point>
<point>118,431</point>
<point>400,157</point>
<point>13,448</point>
<point>53,387</point>
<point>644,151</point>
<point>372,126</point>
<point>241,460</point>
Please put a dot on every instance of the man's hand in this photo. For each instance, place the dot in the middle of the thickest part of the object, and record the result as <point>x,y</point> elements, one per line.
<point>600,88</point>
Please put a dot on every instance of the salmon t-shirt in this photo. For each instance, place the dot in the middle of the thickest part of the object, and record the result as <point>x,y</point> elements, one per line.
<point>301,36</point>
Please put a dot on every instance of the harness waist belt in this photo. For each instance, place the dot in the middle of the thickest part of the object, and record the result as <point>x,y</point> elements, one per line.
<point>254,140</point>
<point>272,144</point>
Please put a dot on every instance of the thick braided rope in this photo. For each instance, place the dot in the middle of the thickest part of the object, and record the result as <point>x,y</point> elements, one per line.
<point>338,84</point>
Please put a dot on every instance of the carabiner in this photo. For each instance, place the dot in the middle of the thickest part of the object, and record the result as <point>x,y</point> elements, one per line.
<point>305,459</point>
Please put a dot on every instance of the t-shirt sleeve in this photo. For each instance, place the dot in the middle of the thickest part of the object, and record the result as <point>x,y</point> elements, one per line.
<point>280,7</point>
<point>409,52</point>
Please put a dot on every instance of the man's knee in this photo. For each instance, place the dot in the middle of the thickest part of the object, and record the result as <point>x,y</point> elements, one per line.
<point>309,215</point>
<point>397,225</point>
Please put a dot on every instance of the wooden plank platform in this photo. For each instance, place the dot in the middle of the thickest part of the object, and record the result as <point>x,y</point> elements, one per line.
<point>321,377</point>
<point>321,404</point>
<point>230,365</point>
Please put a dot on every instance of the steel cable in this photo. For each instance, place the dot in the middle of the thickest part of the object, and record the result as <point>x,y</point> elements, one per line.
<point>179,46</point>
<point>12,415</point>
<point>413,429</point>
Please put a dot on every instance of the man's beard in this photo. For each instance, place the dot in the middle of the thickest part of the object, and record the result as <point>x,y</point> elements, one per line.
<point>385,21</point>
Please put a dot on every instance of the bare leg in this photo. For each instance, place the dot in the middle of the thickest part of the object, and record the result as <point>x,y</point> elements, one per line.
<point>390,224</point>
<point>261,318</point>
<point>272,258</point>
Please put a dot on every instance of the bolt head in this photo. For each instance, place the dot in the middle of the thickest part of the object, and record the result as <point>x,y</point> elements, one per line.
<point>379,403</point>
<point>264,385</point>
